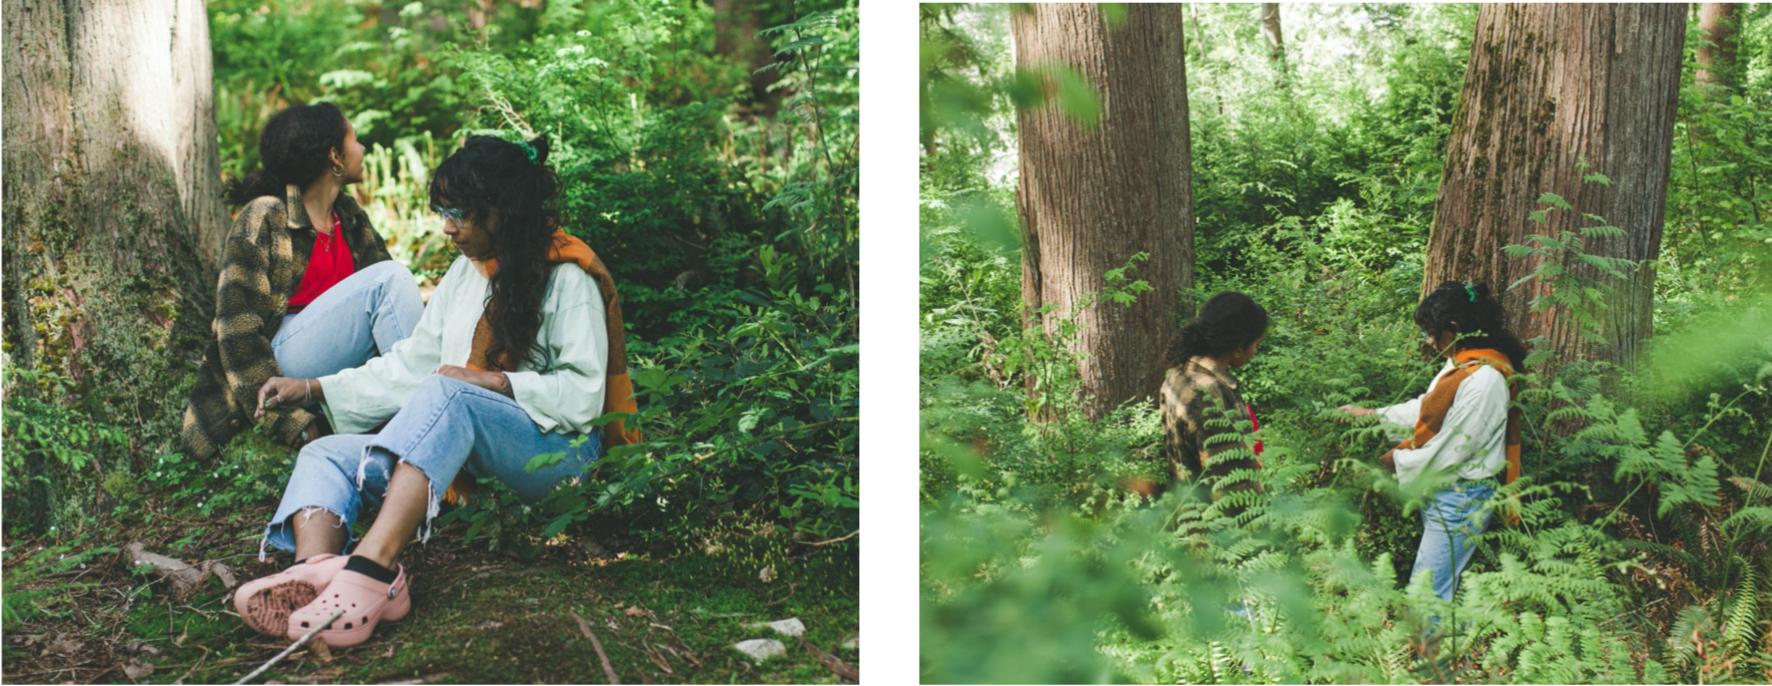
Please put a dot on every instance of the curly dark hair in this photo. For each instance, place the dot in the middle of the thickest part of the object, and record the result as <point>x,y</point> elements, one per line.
<point>295,147</point>
<point>1227,321</point>
<point>495,183</point>
<point>1472,314</point>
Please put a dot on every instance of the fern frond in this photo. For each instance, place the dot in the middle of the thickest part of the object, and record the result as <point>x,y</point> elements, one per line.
<point>1744,613</point>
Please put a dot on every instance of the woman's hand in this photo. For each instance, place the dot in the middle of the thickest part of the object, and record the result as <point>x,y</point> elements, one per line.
<point>496,382</point>
<point>1356,411</point>
<point>1388,461</point>
<point>281,392</point>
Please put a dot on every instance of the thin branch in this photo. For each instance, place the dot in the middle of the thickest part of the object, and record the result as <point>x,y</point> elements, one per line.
<point>292,648</point>
<point>585,626</point>
<point>852,534</point>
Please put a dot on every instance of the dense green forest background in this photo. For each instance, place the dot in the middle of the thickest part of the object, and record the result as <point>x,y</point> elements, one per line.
<point>1645,551</point>
<point>709,152</point>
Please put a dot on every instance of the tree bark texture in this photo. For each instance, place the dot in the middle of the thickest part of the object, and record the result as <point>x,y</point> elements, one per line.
<point>1276,41</point>
<point>112,187</point>
<point>1091,197</point>
<point>1546,86</point>
<point>1717,20</point>
<point>1270,27</point>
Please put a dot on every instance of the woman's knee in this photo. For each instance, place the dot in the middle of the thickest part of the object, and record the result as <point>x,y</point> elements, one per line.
<point>391,271</point>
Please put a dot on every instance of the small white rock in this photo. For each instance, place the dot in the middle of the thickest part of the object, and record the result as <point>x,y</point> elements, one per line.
<point>761,649</point>
<point>767,574</point>
<point>853,644</point>
<point>786,627</point>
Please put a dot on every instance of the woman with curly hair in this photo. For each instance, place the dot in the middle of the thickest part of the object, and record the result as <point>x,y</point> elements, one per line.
<point>306,287</point>
<point>1463,429</point>
<point>518,352</point>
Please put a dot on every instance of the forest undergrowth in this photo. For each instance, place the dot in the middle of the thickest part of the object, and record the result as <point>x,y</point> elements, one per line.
<point>1643,551</point>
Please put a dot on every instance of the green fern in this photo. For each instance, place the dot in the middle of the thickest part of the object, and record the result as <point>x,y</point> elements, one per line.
<point>1744,611</point>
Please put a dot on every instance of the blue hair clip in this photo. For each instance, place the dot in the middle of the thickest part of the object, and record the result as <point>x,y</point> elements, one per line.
<point>1468,288</point>
<point>528,150</point>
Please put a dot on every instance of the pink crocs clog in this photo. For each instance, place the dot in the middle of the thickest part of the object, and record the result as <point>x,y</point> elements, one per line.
<point>365,601</point>
<point>265,603</point>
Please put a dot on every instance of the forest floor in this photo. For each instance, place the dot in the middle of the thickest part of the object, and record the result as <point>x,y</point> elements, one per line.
<point>662,612</point>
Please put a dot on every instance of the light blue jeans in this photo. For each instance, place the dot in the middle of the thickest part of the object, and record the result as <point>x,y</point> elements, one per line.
<point>447,426</point>
<point>1452,518</point>
<point>355,320</point>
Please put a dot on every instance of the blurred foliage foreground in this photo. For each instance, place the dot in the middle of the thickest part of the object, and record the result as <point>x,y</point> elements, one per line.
<point>1644,547</point>
<point>712,159</point>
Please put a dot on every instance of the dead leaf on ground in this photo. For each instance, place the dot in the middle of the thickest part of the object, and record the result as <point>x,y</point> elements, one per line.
<point>136,669</point>
<point>319,652</point>
<point>64,645</point>
<point>143,647</point>
<point>634,612</point>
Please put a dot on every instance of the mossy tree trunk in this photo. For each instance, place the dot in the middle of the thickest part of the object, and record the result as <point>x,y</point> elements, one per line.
<point>1548,86</point>
<point>113,207</point>
<point>1090,197</point>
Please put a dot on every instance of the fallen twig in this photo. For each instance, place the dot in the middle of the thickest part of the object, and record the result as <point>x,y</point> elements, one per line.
<point>852,534</point>
<point>608,670</point>
<point>292,647</point>
<point>791,588</point>
<point>833,663</point>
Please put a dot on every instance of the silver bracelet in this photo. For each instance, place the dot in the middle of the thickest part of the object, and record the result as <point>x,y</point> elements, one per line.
<point>307,392</point>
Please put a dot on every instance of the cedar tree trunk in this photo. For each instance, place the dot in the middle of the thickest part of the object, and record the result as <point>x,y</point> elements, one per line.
<point>1717,20</point>
<point>1548,85</point>
<point>112,199</point>
<point>1091,197</point>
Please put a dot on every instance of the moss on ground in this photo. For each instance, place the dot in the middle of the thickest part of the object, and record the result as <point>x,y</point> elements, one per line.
<point>479,616</point>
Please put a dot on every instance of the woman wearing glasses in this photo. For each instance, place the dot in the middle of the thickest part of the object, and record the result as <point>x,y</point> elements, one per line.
<point>306,286</point>
<point>519,350</point>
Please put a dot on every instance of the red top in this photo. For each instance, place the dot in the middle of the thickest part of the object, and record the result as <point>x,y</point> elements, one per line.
<point>1254,426</point>
<point>330,264</point>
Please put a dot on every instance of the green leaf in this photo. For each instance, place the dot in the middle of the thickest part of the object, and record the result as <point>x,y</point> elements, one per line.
<point>1554,200</point>
<point>543,461</point>
<point>559,524</point>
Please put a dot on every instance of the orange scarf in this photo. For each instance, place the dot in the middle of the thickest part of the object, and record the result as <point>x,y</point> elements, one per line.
<point>618,391</point>
<point>1438,402</point>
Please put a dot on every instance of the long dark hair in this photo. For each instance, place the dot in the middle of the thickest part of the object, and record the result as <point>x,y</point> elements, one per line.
<point>295,147</point>
<point>1472,314</point>
<point>494,178</point>
<point>1227,321</point>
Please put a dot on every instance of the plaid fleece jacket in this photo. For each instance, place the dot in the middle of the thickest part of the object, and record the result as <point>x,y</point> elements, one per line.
<point>1204,422</point>
<point>266,256</point>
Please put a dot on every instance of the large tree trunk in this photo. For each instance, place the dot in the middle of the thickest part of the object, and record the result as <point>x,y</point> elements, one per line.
<point>112,188</point>
<point>1090,198</point>
<point>1715,61</point>
<point>1548,86</point>
<point>1276,39</point>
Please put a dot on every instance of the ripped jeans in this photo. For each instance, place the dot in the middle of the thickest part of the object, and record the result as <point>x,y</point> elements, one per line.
<point>447,426</point>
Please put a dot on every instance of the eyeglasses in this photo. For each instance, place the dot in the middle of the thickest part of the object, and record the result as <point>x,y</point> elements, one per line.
<point>449,214</point>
